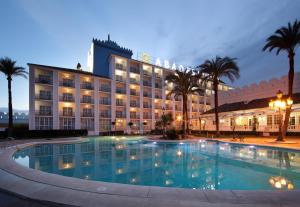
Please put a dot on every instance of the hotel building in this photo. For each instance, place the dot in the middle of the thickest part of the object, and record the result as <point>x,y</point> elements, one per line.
<point>247,108</point>
<point>114,93</point>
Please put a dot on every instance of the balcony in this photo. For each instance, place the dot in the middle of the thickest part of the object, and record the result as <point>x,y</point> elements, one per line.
<point>44,79</point>
<point>194,110</point>
<point>66,98</point>
<point>157,85</point>
<point>120,103</point>
<point>120,66</point>
<point>158,96</point>
<point>44,113</point>
<point>168,107</point>
<point>147,95</point>
<point>134,81</point>
<point>87,100</point>
<point>146,116</point>
<point>147,106</point>
<point>120,115</point>
<point>134,116</point>
<point>87,86</point>
<point>120,78</point>
<point>134,104</point>
<point>147,73</point>
<point>134,93</point>
<point>43,97</point>
<point>105,88</point>
<point>105,115</point>
<point>147,84</point>
<point>67,83</point>
<point>177,99</point>
<point>178,108</point>
<point>120,91</point>
<point>157,75</point>
<point>105,102</point>
<point>134,70</point>
<point>157,106</point>
<point>67,113</point>
<point>87,114</point>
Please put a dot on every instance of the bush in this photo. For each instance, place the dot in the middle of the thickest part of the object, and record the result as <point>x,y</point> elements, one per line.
<point>31,134</point>
<point>172,134</point>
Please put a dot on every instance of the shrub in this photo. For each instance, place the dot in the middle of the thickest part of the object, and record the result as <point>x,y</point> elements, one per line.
<point>172,134</point>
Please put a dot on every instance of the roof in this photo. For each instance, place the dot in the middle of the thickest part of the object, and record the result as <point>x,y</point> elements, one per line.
<point>254,104</point>
<point>67,70</point>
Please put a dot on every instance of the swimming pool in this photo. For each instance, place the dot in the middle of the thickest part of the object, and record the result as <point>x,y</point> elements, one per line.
<point>194,164</point>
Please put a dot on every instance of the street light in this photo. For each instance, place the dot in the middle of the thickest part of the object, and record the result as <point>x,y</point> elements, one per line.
<point>279,105</point>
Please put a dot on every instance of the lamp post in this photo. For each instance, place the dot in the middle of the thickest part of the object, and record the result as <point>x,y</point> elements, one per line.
<point>279,105</point>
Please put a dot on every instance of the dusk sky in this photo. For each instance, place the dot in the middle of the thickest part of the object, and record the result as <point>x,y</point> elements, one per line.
<point>59,33</point>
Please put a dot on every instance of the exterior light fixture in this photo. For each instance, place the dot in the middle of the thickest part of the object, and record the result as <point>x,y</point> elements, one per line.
<point>280,182</point>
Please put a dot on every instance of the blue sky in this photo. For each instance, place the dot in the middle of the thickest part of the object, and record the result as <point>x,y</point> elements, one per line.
<point>59,33</point>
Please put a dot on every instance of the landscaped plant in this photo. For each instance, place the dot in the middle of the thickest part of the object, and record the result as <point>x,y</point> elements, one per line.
<point>9,69</point>
<point>185,83</point>
<point>286,39</point>
<point>165,121</point>
<point>213,71</point>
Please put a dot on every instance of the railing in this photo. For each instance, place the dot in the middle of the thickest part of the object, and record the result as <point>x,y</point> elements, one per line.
<point>67,113</point>
<point>134,104</point>
<point>44,80</point>
<point>44,113</point>
<point>121,91</point>
<point>43,97</point>
<point>168,108</point>
<point>147,73</point>
<point>148,84</point>
<point>87,114</point>
<point>105,102</point>
<point>147,106</point>
<point>120,103</point>
<point>87,86</point>
<point>157,106</point>
<point>120,115</point>
<point>105,89</point>
<point>134,116</point>
<point>66,99</point>
<point>120,66</point>
<point>158,85</point>
<point>134,93</point>
<point>157,75</point>
<point>147,95</point>
<point>105,115</point>
<point>87,100</point>
<point>147,117</point>
<point>120,78</point>
<point>134,81</point>
<point>134,70</point>
<point>67,84</point>
<point>158,96</point>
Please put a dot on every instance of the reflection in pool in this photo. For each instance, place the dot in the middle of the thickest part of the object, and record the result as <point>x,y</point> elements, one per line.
<point>197,165</point>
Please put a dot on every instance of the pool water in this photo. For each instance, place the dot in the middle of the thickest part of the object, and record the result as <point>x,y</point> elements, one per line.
<point>195,164</point>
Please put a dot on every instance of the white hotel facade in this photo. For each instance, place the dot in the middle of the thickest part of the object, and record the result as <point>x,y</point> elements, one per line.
<point>115,91</point>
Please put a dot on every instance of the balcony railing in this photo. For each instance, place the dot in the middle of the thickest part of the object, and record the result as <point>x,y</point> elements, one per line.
<point>67,113</point>
<point>44,80</point>
<point>134,93</point>
<point>147,106</point>
<point>147,95</point>
<point>87,100</point>
<point>134,104</point>
<point>157,75</point>
<point>87,114</point>
<point>87,86</point>
<point>105,115</point>
<point>146,83</point>
<point>120,78</point>
<point>105,102</point>
<point>168,107</point>
<point>120,103</point>
<point>105,88</point>
<point>66,99</point>
<point>121,91</point>
<point>134,81</point>
<point>147,117</point>
<point>158,96</point>
<point>123,115</point>
<point>147,73</point>
<point>43,97</point>
<point>120,66</point>
<point>134,116</point>
<point>44,113</point>
<point>157,106</point>
<point>67,84</point>
<point>134,70</point>
<point>177,108</point>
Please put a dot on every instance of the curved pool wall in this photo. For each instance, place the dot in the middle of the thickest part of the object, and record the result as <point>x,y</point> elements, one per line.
<point>192,164</point>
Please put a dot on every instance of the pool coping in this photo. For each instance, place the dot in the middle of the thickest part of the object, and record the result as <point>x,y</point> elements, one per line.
<point>42,186</point>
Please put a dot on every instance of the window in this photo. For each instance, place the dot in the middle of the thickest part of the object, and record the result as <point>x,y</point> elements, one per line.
<point>67,111</point>
<point>67,97</point>
<point>45,110</point>
<point>276,119</point>
<point>87,124</point>
<point>43,123</point>
<point>269,120</point>
<point>292,121</point>
<point>67,123</point>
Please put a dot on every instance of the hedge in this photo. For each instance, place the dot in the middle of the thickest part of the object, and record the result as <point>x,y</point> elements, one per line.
<point>31,134</point>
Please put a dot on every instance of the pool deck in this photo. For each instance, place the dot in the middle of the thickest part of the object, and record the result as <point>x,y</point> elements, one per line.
<point>56,190</point>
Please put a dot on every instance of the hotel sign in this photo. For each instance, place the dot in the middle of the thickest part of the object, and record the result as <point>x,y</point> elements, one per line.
<point>145,57</point>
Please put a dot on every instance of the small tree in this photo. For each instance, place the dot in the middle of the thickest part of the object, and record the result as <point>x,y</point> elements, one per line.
<point>130,124</point>
<point>165,121</point>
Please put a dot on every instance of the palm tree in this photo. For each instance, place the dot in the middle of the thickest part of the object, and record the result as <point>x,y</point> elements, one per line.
<point>185,83</point>
<point>216,69</point>
<point>286,39</point>
<point>9,69</point>
<point>164,122</point>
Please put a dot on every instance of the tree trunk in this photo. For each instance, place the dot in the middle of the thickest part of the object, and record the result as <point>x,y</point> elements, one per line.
<point>290,94</point>
<point>187,116</point>
<point>183,116</point>
<point>10,110</point>
<point>216,107</point>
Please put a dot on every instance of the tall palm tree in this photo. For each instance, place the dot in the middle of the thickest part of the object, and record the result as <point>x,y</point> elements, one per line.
<point>185,83</point>
<point>9,68</point>
<point>286,39</point>
<point>216,69</point>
